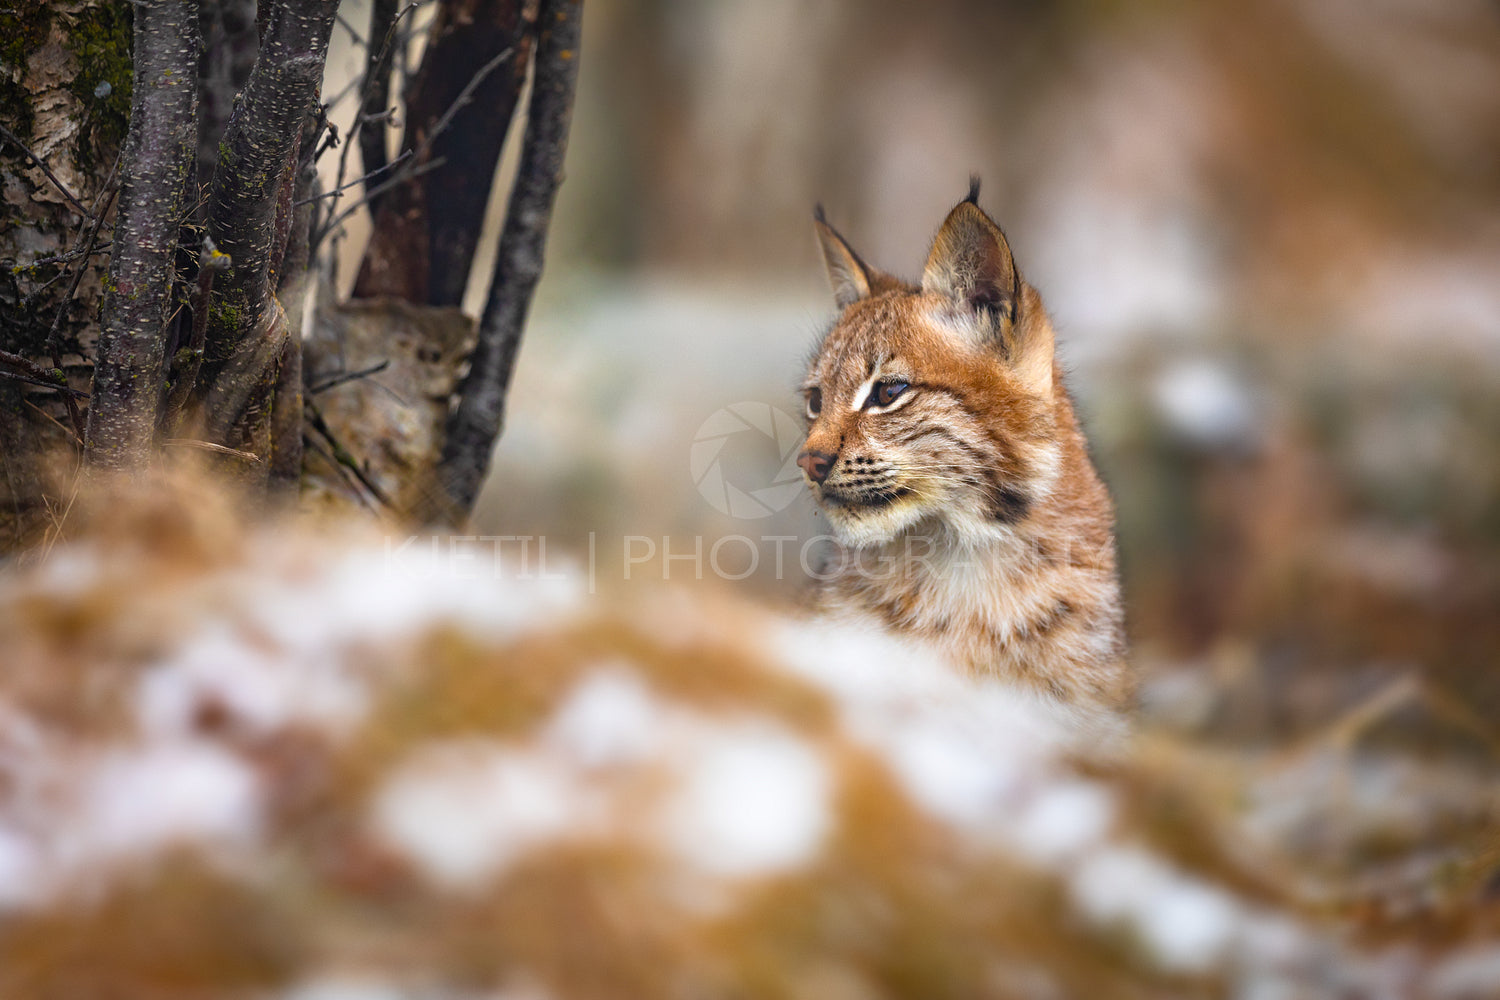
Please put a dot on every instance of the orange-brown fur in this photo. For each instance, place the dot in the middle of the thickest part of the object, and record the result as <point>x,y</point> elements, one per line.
<point>968,513</point>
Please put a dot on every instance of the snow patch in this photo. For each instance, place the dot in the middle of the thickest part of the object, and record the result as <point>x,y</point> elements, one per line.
<point>465,811</point>
<point>610,719</point>
<point>753,801</point>
<point>68,818</point>
<point>164,794</point>
<point>259,689</point>
<point>1187,924</point>
<point>363,596</point>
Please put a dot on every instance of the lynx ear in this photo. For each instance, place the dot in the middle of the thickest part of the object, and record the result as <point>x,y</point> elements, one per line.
<point>852,280</point>
<point>971,262</point>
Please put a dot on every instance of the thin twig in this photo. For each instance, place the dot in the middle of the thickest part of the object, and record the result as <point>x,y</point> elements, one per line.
<point>63,188</point>
<point>217,449</point>
<point>47,416</point>
<point>358,180</point>
<point>77,252</point>
<point>322,143</point>
<point>415,167</point>
<point>388,115</point>
<point>25,370</point>
<point>381,188</point>
<point>88,247</point>
<point>44,383</point>
<point>57,522</point>
<point>62,258</point>
<point>463,98</point>
<point>364,93</point>
<point>102,203</point>
<point>350,483</point>
<point>341,454</point>
<point>75,415</point>
<point>357,84</point>
<point>37,292</point>
<point>53,343</point>
<point>340,379</point>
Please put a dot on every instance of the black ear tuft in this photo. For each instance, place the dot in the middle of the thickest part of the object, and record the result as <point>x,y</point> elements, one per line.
<point>973,196</point>
<point>818,213</point>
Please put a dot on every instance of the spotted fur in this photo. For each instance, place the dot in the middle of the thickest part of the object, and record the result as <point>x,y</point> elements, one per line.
<point>967,511</point>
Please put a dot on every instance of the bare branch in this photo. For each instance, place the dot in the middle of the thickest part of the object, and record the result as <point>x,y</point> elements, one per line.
<point>61,187</point>
<point>337,380</point>
<point>349,482</point>
<point>476,421</point>
<point>459,108</point>
<point>415,159</point>
<point>68,431</point>
<point>88,249</point>
<point>61,258</point>
<point>342,457</point>
<point>463,98</point>
<point>368,110</point>
<point>23,370</point>
<point>385,185</point>
<point>358,180</point>
<point>101,209</point>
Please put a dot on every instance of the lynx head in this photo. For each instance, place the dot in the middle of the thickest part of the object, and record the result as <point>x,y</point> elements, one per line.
<point>932,403</point>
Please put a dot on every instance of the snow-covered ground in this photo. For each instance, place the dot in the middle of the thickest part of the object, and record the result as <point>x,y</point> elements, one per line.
<point>407,774</point>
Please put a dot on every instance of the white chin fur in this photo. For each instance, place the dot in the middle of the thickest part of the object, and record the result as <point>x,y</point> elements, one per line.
<point>862,527</point>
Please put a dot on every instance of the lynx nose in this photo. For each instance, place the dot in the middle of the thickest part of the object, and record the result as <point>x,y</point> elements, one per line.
<point>817,464</point>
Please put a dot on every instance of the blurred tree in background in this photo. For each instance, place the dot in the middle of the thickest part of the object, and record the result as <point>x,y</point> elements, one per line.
<point>164,219</point>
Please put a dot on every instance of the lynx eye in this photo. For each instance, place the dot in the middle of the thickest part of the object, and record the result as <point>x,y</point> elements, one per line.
<point>814,402</point>
<point>885,393</point>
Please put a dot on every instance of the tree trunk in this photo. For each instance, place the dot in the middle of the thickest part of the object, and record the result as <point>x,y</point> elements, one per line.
<point>257,162</point>
<point>427,229</point>
<point>476,421</point>
<point>381,45</point>
<point>65,86</point>
<point>236,346</point>
<point>124,407</point>
<point>292,289</point>
<point>230,44</point>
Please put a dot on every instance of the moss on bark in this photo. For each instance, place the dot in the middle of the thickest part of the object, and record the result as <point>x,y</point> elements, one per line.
<point>100,40</point>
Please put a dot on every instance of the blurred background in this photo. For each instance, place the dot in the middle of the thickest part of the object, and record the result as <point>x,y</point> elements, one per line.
<point>1269,237</point>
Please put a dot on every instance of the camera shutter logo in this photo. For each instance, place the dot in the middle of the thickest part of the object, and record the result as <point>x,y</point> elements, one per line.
<point>706,460</point>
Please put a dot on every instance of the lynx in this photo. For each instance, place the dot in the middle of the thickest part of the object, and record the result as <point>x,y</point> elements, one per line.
<point>943,448</point>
